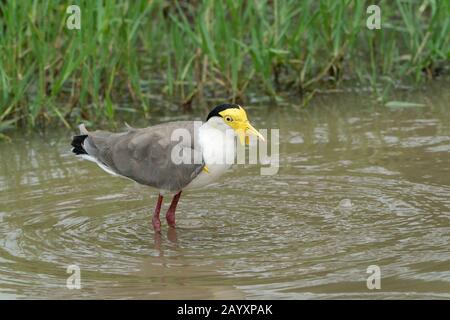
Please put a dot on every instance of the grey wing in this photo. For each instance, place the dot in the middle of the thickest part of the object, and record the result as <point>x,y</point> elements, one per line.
<point>145,155</point>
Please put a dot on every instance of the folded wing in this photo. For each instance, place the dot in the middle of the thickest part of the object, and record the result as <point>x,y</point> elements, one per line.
<point>145,155</point>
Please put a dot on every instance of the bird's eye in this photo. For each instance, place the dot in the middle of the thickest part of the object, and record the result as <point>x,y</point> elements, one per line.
<point>228,119</point>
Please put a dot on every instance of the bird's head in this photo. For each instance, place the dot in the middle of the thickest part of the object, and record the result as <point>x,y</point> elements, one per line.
<point>233,116</point>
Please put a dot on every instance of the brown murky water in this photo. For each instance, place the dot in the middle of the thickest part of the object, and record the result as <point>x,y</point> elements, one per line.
<point>358,185</point>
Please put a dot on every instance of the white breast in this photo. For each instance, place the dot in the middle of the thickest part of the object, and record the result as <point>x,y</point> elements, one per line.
<point>218,148</point>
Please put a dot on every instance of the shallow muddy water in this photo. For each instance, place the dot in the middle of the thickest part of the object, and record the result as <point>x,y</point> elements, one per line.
<point>359,184</point>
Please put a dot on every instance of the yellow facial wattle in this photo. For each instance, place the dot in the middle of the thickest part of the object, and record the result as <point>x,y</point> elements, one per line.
<point>237,119</point>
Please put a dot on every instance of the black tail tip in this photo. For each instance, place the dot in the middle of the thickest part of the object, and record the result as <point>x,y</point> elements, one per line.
<point>77,144</point>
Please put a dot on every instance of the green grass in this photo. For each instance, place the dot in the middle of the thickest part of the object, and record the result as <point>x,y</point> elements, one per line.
<point>130,55</point>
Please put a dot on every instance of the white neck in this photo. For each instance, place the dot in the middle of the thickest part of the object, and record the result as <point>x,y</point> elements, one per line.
<point>218,144</point>
<point>218,149</point>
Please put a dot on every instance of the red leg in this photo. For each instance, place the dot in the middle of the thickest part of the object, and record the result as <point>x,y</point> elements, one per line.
<point>170,215</point>
<point>155,219</point>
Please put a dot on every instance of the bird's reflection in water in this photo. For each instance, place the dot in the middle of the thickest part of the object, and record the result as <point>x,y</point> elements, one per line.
<point>170,274</point>
<point>171,236</point>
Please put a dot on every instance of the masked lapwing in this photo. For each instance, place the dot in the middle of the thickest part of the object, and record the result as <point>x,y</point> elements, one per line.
<point>172,156</point>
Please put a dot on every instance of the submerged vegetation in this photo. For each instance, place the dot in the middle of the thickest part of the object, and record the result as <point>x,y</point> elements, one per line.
<point>128,55</point>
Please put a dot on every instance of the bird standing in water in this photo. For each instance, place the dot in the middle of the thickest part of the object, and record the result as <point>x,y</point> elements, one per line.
<point>149,155</point>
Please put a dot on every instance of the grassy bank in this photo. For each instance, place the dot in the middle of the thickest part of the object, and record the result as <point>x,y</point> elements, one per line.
<point>143,52</point>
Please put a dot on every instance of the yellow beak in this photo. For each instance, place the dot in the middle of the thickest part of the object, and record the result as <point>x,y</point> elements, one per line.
<point>245,128</point>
